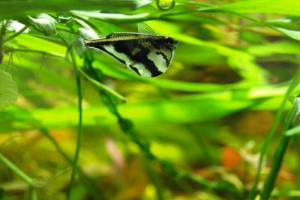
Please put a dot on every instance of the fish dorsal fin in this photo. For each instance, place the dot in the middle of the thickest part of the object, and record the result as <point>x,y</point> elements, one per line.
<point>145,28</point>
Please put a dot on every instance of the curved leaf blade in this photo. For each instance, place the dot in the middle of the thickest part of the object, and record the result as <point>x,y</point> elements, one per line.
<point>8,90</point>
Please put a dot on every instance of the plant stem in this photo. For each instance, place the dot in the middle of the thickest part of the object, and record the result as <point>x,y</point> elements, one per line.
<point>79,138</point>
<point>280,151</point>
<point>16,34</point>
<point>295,81</point>
<point>270,182</point>
<point>20,173</point>
<point>101,86</point>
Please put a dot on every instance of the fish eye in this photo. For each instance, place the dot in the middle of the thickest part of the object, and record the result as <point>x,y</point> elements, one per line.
<point>170,41</point>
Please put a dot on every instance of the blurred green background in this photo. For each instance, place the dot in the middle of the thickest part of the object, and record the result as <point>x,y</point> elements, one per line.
<point>195,132</point>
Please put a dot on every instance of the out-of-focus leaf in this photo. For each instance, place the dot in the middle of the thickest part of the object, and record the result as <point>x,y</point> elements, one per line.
<point>15,26</point>
<point>290,7</point>
<point>290,23</point>
<point>8,90</point>
<point>38,44</point>
<point>112,16</point>
<point>293,131</point>
<point>124,74</point>
<point>291,33</point>
<point>43,23</point>
<point>280,47</point>
<point>11,9</point>
<point>238,60</point>
<point>188,109</point>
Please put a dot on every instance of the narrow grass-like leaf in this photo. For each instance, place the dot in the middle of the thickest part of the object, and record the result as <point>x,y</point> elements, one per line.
<point>11,9</point>
<point>293,131</point>
<point>187,110</point>
<point>290,7</point>
<point>291,33</point>
<point>281,148</point>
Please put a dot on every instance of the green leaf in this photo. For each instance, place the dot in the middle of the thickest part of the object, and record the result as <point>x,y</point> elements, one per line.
<point>8,90</point>
<point>293,131</point>
<point>291,33</point>
<point>188,109</point>
<point>12,9</point>
<point>290,7</point>
<point>43,23</point>
<point>15,26</point>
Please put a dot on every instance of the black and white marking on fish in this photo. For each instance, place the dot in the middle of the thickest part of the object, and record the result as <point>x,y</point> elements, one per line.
<point>149,55</point>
